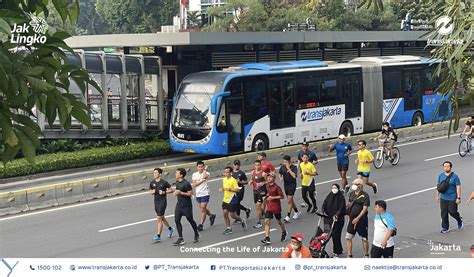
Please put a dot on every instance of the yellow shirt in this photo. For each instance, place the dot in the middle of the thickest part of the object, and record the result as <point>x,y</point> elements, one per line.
<point>309,167</point>
<point>229,183</point>
<point>362,156</point>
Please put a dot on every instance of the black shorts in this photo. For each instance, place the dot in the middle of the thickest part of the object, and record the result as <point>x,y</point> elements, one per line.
<point>290,189</point>
<point>232,207</point>
<point>362,228</point>
<point>270,215</point>
<point>160,208</point>
<point>342,167</point>
<point>377,252</point>
<point>259,194</point>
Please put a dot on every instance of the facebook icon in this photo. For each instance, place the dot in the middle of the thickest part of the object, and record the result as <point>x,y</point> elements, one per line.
<point>213,267</point>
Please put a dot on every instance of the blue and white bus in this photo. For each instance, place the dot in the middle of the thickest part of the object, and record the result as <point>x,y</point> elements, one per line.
<point>259,106</point>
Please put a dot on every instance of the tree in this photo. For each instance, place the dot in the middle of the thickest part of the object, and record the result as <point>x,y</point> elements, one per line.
<point>36,76</point>
<point>194,19</point>
<point>136,16</point>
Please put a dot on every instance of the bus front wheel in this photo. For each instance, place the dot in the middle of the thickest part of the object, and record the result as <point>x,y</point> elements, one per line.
<point>260,143</point>
<point>346,129</point>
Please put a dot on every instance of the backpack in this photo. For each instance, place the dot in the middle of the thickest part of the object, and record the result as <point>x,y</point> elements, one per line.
<point>443,186</point>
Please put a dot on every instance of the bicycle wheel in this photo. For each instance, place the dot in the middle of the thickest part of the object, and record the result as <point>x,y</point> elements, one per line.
<point>463,148</point>
<point>396,154</point>
<point>379,159</point>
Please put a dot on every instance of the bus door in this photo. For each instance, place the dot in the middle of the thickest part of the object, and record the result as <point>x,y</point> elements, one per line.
<point>281,93</point>
<point>412,89</point>
<point>234,123</point>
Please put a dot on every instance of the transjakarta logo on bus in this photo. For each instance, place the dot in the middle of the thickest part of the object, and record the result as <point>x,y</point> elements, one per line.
<point>319,114</point>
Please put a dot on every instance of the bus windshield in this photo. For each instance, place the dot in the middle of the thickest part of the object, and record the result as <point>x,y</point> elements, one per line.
<point>192,108</point>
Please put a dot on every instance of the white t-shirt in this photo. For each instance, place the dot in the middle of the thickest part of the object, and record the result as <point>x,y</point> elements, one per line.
<point>202,189</point>
<point>380,230</point>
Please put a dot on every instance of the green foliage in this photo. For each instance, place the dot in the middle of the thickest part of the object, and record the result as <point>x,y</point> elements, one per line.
<point>77,159</point>
<point>457,71</point>
<point>36,78</point>
<point>136,16</point>
<point>194,19</point>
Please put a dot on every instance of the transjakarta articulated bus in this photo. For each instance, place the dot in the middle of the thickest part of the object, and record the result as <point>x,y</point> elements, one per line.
<point>265,105</point>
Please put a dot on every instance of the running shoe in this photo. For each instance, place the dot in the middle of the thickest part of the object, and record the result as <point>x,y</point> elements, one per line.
<point>444,231</point>
<point>460,225</point>
<point>286,219</point>
<point>200,227</point>
<point>212,218</point>
<point>284,234</point>
<point>228,231</point>
<point>266,241</point>
<point>297,215</point>
<point>237,222</point>
<point>248,212</point>
<point>244,224</point>
<point>179,241</point>
<point>197,238</point>
<point>375,188</point>
<point>257,225</point>
<point>170,232</point>
<point>157,238</point>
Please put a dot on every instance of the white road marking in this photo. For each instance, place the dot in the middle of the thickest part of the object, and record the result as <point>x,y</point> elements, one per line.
<point>236,239</point>
<point>409,194</point>
<point>440,157</point>
<point>132,224</point>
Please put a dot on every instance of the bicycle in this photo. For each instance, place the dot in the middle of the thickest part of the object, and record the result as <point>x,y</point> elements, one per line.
<point>465,145</point>
<point>383,153</point>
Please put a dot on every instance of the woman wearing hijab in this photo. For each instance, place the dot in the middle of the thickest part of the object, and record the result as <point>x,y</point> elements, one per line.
<point>335,207</point>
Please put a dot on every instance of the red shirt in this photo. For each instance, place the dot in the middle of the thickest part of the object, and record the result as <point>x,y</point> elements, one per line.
<point>256,178</point>
<point>268,166</point>
<point>274,206</point>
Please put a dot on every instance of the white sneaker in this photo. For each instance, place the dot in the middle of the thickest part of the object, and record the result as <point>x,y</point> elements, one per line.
<point>286,219</point>
<point>304,205</point>
<point>296,215</point>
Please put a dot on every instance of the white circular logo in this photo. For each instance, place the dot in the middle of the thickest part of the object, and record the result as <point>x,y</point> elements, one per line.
<point>442,24</point>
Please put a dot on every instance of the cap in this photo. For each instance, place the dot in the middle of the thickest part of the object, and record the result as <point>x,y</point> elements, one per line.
<point>272,174</point>
<point>263,154</point>
<point>237,162</point>
<point>305,143</point>
<point>358,181</point>
<point>298,237</point>
<point>341,136</point>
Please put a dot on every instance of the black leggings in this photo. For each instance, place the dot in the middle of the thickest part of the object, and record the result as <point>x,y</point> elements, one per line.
<point>188,213</point>
<point>377,252</point>
<point>309,189</point>
<point>240,196</point>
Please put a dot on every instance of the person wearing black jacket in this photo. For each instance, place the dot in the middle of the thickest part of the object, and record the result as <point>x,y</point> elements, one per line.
<point>335,207</point>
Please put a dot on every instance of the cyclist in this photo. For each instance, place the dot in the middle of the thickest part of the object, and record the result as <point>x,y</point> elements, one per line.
<point>390,137</point>
<point>469,127</point>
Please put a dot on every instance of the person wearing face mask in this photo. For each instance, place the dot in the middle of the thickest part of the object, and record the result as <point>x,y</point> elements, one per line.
<point>296,249</point>
<point>359,203</point>
<point>334,206</point>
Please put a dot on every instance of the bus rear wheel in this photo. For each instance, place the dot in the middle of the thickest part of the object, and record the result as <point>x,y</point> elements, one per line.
<point>346,129</point>
<point>417,119</point>
<point>260,143</point>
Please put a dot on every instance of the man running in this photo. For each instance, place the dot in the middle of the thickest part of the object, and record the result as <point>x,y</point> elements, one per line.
<point>159,188</point>
<point>359,202</point>
<point>241,178</point>
<point>229,205</point>
<point>364,159</point>
<point>200,179</point>
<point>308,187</point>
<point>184,206</point>
<point>288,174</point>
<point>274,194</point>
<point>343,151</point>
<point>266,165</point>
<point>259,190</point>
<point>305,150</point>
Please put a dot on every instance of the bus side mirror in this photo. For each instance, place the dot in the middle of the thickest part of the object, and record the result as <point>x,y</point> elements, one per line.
<point>214,103</point>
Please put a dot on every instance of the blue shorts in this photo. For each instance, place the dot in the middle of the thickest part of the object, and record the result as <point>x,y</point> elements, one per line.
<point>364,174</point>
<point>204,199</point>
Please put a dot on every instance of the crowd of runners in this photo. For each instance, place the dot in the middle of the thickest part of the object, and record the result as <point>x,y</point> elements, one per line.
<point>272,185</point>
